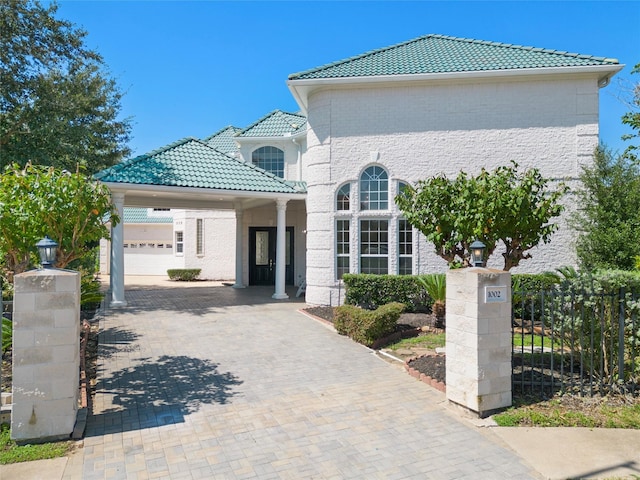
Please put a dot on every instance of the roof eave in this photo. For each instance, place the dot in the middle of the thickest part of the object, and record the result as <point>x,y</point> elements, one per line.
<point>118,187</point>
<point>301,88</point>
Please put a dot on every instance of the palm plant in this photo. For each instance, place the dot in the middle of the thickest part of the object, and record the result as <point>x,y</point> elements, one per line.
<point>436,286</point>
<point>6,334</point>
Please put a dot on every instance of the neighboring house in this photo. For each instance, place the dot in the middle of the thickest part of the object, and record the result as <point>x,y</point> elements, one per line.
<point>312,193</point>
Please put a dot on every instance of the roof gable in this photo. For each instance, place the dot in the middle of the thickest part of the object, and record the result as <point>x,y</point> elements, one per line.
<point>442,54</point>
<point>193,163</point>
<point>223,140</point>
<point>275,124</point>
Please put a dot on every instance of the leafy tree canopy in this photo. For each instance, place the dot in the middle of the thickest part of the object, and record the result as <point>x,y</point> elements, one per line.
<point>632,118</point>
<point>36,201</point>
<point>608,218</point>
<point>58,106</point>
<point>503,205</point>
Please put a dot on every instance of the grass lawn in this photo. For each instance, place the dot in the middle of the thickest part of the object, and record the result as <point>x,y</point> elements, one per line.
<point>10,452</point>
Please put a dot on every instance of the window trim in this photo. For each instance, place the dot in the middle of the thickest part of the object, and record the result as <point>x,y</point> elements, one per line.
<point>409,243</point>
<point>361,255</point>
<point>179,243</point>
<point>347,255</point>
<point>348,202</point>
<point>378,193</point>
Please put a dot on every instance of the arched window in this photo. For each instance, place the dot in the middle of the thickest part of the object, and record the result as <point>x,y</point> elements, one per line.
<point>342,197</point>
<point>374,189</point>
<point>402,186</point>
<point>270,159</point>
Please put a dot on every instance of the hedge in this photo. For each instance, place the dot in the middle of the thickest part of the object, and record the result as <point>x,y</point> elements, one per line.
<point>184,274</point>
<point>371,291</point>
<point>367,326</point>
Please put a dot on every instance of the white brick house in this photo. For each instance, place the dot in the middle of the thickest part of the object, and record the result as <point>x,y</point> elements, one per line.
<point>396,115</point>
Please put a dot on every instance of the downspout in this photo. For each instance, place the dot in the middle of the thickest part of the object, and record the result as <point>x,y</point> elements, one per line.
<point>299,159</point>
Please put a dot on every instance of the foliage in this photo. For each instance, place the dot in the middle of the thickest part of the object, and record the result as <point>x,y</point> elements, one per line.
<point>371,291</point>
<point>436,286</point>
<point>68,207</point>
<point>367,326</point>
<point>525,288</point>
<point>608,218</point>
<point>632,118</point>
<point>7,334</point>
<point>58,104</point>
<point>596,318</point>
<point>90,294</point>
<point>503,205</point>
<point>184,274</point>
<point>637,263</point>
<point>10,452</point>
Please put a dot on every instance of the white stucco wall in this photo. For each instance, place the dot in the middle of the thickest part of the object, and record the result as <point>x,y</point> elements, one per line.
<point>416,131</point>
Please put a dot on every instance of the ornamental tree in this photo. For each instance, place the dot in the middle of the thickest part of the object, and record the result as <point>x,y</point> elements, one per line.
<point>499,206</point>
<point>57,102</point>
<point>36,201</point>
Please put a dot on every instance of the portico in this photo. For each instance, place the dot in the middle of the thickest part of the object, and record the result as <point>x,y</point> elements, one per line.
<point>157,181</point>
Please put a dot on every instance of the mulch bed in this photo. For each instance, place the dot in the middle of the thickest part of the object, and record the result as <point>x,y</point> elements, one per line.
<point>428,368</point>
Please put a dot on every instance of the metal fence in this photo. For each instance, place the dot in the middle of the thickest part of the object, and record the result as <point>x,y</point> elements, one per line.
<point>574,341</point>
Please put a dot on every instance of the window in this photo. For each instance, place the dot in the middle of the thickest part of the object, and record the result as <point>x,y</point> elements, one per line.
<point>179,243</point>
<point>199,237</point>
<point>270,159</point>
<point>405,247</point>
<point>374,246</point>
<point>374,189</point>
<point>342,198</point>
<point>342,248</point>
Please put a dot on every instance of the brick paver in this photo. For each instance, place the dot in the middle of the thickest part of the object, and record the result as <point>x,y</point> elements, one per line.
<point>221,383</point>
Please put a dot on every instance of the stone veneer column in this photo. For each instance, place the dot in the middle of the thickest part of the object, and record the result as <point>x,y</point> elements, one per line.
<point>46,358</point>
<point>479,344</point>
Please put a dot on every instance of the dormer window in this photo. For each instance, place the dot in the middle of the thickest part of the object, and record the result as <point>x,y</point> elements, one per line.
<point>270,159</point>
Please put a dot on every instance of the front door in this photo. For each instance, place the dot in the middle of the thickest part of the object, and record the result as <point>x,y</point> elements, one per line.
<point>262,255</point>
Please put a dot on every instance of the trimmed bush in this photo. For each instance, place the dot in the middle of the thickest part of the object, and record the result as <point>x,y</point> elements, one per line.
<point>184,274</point>
<point>367,326</point>
<point>371,291</point>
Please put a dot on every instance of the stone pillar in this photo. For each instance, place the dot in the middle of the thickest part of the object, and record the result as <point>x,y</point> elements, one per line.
<point>117,255</point>
<point>46,355</point>
<point>479,344</point>
<point>239,257</point>
<point>281,250</point>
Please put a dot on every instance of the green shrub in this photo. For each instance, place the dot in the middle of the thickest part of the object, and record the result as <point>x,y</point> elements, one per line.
<point>367,326</point>
<point>7,334</point>
<point>184,274</point>
<point>525,290</point>
<point>371,291</point>
<point>90,294</point>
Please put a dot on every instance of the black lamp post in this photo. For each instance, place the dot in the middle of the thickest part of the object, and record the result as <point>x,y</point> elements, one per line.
<point>48,251</point>
<point>477,253</point>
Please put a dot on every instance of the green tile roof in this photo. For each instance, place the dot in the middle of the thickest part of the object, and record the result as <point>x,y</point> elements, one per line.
<point>193,163</point>
<point>442,54</point>
<point>141,215</point>
<point>223,140</point>
<point>275,124</point>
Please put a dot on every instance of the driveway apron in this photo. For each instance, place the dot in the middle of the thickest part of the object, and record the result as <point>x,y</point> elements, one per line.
<point>215,382</point>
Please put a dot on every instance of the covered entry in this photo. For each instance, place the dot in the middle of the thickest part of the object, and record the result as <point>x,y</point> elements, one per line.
<point>263,255</point>
<point>221,182</point>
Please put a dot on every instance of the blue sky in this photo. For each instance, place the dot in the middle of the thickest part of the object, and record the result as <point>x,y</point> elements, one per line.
<point>192,68</point>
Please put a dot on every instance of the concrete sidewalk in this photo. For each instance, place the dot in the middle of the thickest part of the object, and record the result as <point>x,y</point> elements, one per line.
<point>214,382</point>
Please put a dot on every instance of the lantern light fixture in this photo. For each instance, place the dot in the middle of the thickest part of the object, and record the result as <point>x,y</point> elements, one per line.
<point>48,251</point>
<point>477,253</point>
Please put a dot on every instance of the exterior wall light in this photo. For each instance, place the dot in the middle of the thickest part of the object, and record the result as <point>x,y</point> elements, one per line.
<point>48,251</point>
<point>477,253</point>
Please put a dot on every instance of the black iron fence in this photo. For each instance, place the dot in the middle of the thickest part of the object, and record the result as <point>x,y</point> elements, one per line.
<point>574,341</point>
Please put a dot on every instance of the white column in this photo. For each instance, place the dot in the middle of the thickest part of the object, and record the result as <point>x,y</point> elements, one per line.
<point>281,261</point>
<point>117,255</point>
<point>239,261</point>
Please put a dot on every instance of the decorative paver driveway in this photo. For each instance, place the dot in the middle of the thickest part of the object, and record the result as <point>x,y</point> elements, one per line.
<point>222,383</point>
